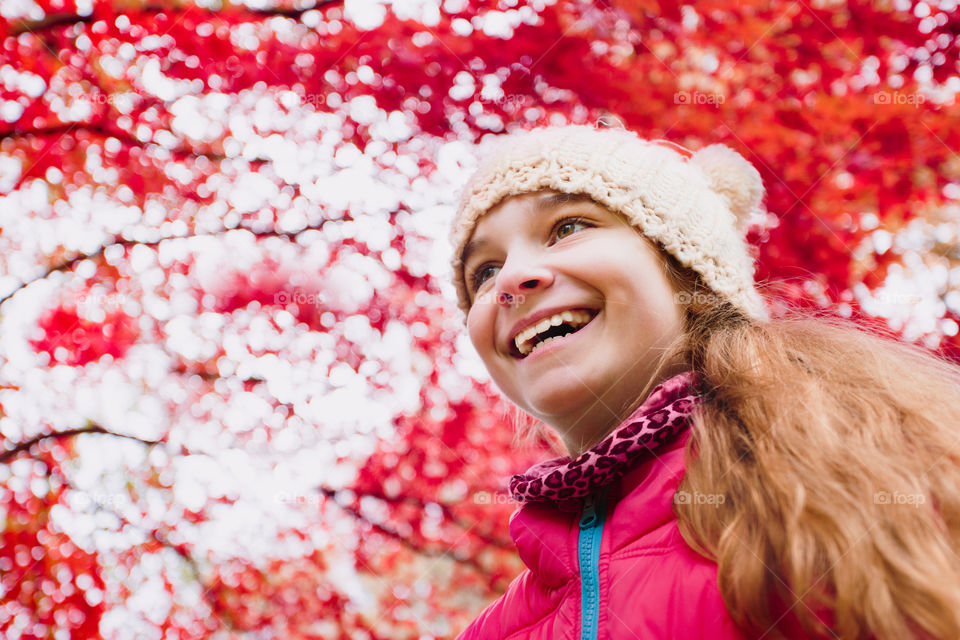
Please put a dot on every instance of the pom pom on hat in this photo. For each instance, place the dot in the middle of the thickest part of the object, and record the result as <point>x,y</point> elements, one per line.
<point>733,177</point>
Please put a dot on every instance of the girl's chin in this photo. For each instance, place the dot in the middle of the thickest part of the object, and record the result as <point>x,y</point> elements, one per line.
<point>559,406</point>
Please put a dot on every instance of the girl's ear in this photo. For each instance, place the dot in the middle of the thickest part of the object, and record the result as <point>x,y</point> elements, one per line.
<point>733,177</point>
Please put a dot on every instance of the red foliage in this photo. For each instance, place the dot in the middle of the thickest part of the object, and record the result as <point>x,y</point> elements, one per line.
<point>166,131</point>
<point>72,340</point>
<point>47,582</point>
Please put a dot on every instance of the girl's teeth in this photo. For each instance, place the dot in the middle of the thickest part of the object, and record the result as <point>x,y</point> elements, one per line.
<point>543,343</point>
<point>575,318</point>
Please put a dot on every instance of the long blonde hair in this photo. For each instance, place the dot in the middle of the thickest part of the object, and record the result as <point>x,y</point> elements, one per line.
<point>836,451</point>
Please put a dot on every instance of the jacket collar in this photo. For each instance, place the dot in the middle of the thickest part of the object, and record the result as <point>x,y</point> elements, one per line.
<point>639,512</point>
<point>663,415</point>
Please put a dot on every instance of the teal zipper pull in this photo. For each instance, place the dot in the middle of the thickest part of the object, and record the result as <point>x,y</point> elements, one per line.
<point>588,551</point>
<point>589,515</point>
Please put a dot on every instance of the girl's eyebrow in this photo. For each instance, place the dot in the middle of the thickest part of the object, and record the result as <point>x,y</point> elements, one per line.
<point>553,200</point>
<point>472,246</point>
<point>544,203</point>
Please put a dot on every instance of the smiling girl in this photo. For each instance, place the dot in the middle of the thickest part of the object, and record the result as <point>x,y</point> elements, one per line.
<point>728,475</point>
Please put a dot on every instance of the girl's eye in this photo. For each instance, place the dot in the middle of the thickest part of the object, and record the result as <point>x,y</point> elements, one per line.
<point>567,227</point>
<point>479,275</point>
<point>482,274</point>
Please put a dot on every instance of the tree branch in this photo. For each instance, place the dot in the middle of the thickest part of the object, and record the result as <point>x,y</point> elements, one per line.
<point>59,19</point>
<point>69,263</point>
<point>91,427</point>
<point>507,545</point>
<point>119,134</point>
<point>391,533</point>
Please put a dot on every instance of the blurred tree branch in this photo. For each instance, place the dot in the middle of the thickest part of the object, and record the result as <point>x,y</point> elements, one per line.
<point>91,427</point>
<point>52,20</point>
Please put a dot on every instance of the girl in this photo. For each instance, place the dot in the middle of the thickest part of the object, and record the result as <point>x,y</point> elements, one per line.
<point>729,475</point>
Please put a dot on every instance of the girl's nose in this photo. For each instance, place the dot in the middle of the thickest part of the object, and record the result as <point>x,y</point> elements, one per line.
<point>520,278</point>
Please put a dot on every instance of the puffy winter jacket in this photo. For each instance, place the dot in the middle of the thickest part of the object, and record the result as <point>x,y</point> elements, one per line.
<point>616,569</point>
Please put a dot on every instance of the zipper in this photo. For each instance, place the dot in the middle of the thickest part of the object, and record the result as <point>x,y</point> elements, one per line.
<point>588,549</point>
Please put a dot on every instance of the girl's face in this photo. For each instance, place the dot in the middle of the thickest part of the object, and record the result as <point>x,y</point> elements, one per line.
<point>535,260</point>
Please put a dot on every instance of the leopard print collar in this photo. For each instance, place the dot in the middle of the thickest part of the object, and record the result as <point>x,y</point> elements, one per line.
<point>664,414</point>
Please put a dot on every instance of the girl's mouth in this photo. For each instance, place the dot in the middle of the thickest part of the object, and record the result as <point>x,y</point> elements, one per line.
<point>554,336</point>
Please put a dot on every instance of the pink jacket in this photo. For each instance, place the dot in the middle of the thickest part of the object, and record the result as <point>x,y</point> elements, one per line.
<point>618,570</point>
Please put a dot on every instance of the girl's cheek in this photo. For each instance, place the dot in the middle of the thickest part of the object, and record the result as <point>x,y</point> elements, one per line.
<point>480,322</point>
<point>474,328</point>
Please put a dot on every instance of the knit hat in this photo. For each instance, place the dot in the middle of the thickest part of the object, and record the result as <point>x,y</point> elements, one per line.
<point>693,205</point>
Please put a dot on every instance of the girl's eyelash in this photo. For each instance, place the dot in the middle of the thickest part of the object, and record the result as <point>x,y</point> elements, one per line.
<point>563,221</point>
<point>475,274</point>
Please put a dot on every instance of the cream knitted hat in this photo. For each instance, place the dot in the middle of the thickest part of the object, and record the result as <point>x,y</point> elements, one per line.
<point>694,205</point>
